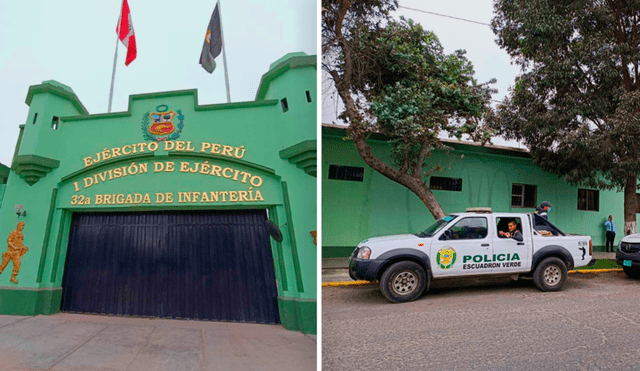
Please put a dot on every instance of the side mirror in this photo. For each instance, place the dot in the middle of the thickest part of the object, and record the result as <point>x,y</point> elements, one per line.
<point>447,235</point>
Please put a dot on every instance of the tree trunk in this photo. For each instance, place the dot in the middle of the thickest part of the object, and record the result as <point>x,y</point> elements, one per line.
<point>428,199</point>
<point>630,206</point>
<point>414,183</point>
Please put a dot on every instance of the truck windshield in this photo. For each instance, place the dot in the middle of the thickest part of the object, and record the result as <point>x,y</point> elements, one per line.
<point>435,227</point>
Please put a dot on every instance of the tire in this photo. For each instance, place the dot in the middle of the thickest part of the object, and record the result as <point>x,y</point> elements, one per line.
<point>403,281</point>
<point>550,274</point>
<point>631,272</point>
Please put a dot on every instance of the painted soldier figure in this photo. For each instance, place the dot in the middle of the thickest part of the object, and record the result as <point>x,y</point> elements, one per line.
<point>15,250</point>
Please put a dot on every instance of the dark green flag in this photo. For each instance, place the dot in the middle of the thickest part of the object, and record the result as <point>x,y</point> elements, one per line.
<point>212,42</point>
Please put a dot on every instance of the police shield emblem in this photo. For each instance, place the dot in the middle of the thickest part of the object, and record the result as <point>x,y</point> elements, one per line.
<point>446,257</point>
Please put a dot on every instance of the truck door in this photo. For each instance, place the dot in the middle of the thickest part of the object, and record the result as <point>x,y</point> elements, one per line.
<point>512,243</point>
<point>459,245</point>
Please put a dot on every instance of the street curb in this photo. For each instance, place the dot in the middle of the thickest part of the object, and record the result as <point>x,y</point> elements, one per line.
<point>362,283</point>
<point>596,270</point>
<point>345,283</point>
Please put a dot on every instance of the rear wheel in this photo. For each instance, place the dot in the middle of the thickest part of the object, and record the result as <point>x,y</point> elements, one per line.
<point>403,281</point>
<point>550,274</point>
<point>631,272</point>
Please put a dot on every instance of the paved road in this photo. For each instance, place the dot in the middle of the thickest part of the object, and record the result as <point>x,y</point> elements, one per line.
<point>593,324</point>
<point>85,343</point>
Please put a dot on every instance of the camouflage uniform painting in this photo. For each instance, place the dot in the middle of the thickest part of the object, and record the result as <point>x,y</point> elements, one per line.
<point>15,250</point>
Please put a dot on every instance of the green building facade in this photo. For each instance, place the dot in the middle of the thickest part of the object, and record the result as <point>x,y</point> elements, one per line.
<point>166,157</point>
<point>502,178</point>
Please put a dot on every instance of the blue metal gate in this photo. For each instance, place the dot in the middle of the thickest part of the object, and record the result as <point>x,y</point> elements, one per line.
<point>210,265</point>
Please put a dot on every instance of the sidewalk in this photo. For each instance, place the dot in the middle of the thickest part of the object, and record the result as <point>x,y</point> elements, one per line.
<point>337,269</point>
<point>68,342</point>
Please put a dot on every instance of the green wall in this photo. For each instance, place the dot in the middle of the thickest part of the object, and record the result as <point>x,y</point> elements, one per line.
<point>353,211</point>
<point>57,172</point>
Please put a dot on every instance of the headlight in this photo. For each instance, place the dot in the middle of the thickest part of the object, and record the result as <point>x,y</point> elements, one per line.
<point>364,253</point>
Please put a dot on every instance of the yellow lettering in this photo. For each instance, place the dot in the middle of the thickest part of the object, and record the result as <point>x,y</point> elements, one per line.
<point>169,145</point>
<point>158,167</point>
<point>224,172</point>
<point>88,161</point>
<point>244,176</point>
<point>88,182</point>
<point>159,198</point>
<point>258,181</point>
<point>203,147</point>
<point>227,151</point>
<point>258,196</point>
<point>180,145</point>
<point>184,167</point>
<point>168,197</point>
<point>147,199</point>
<point>233,196</point>
<point>183,196</point>
<point>189,148</point>
<point>170,166</point>
<point>215,170</point>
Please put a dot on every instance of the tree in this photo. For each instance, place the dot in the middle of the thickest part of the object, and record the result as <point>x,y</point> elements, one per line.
<point>394,78</point>
<point>577,103</point>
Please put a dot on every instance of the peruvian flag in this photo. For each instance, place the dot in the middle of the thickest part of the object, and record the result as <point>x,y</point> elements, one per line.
<point>125,33</point>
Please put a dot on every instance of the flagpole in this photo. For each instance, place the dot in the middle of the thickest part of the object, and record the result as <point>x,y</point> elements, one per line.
<point>224,54</point>
<point>115,59</point>
<point>113,74</point>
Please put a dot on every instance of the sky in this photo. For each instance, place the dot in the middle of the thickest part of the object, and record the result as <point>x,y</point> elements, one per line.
<point>478,40</point>
<point>73,42</point>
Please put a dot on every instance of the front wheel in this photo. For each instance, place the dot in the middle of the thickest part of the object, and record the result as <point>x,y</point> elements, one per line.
<point>403,281</point>
<point>550,274</point>
<point>631,272</point>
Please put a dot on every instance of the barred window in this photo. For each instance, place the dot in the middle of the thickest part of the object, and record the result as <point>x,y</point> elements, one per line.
<point>351,173</point>
<point>588,200</point>
<point>445,184</point>
<point>523,195</point>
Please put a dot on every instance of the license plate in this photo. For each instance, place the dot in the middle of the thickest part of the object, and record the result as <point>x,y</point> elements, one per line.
<point>626,263</point>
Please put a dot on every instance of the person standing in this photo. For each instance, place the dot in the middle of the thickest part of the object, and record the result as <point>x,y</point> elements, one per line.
<point>610,228</point>
<point>543,209</point>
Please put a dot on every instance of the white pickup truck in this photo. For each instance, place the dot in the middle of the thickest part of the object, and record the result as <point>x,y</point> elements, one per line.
<point>477,242</point>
